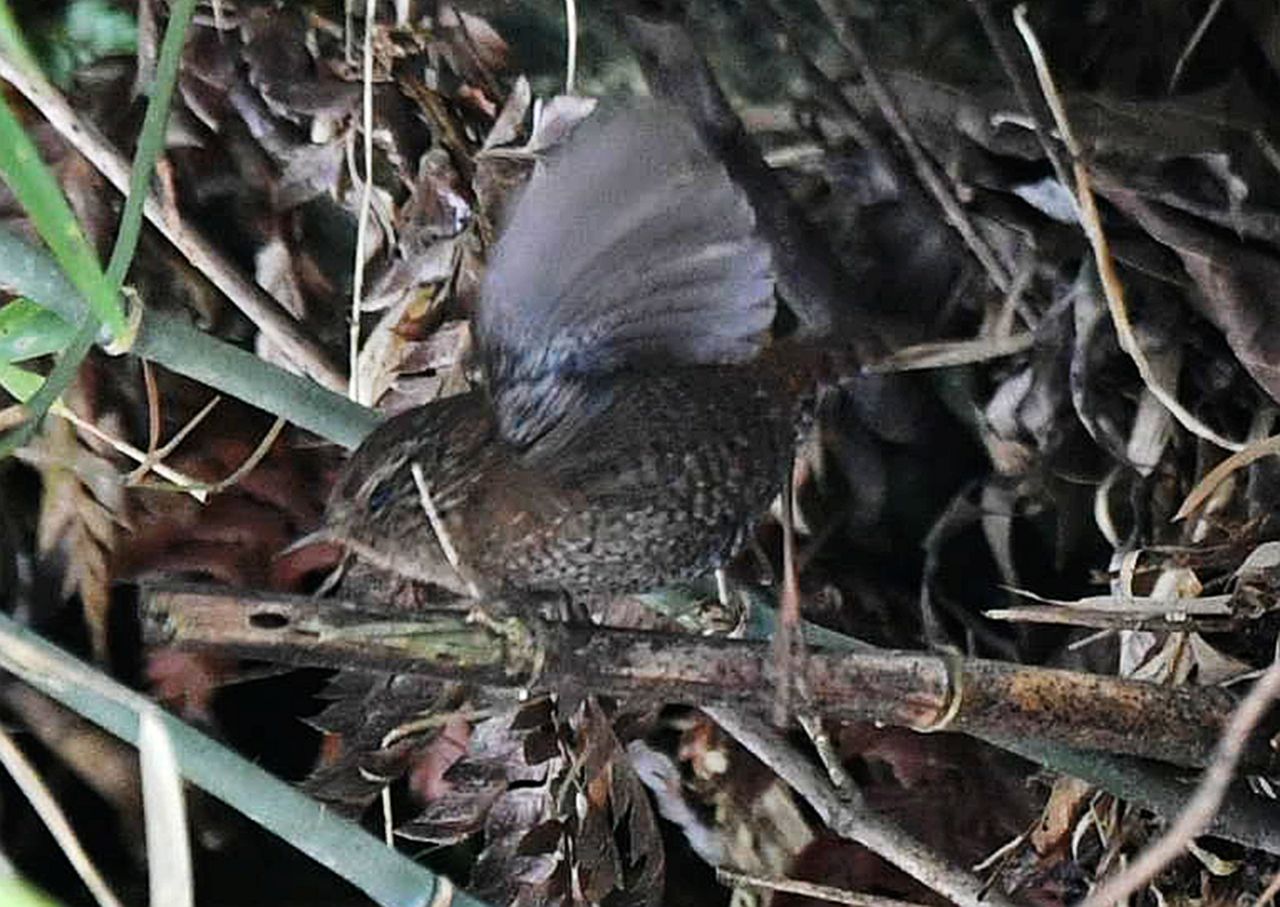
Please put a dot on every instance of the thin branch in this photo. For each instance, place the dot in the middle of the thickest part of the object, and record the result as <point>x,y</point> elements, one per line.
<point>571,51</point>
<point>808,889</point>
<point>33,788</point>
<point>256,303</point>
<point>179,479</point>
<point>438,527</point>
<point>1092,222</point>
<point>1205,488</point>
<point>999,43</point>
<point>366,204</point>
<point>788,640</point>
<point>925,168</point>
<point>847,815</point>
<point>255,457</point>
<point>950,353</point>
<point>1198,813</point>
<point>1196,37</point>
<point>153,421</point>
<point>826,751</point>
<point>156,452</point>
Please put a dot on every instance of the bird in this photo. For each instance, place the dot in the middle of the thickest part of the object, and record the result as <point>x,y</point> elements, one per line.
<point>636,416</point>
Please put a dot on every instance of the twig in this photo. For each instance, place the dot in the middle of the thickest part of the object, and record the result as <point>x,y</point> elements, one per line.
<point>1198,813</point>
<point>252,300</point>
<point>1196,37</point>
<point>847,816</point>
<point>822,745</point>
<point>996,36</point>
<point>179,479</point>
<point>808,889</point>
<point>388,817</point>
<point>1124,605</point>
<point>366,203</point>
<point>924,168</point>
<point>1110,279</point>
<point>33,788</point>
<point>156,454</point>
<point>950,353</point>
<point>1103,620</point>
<point>571,39</point>
<point>438,527</point>
<point>153,420</point>
<point>1252,452</point>
<point>788,640</point>
<point>254,458</point>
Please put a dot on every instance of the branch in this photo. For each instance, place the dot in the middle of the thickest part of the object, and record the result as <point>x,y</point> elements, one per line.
<point>847,815</point>
<point>1195,817</point>
<point>259,306</point>
<point>907,689</point>
<point>390,878</point>
<point>174,343</point>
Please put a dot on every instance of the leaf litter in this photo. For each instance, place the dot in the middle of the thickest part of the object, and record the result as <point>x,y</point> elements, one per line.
<point>1009,449</point>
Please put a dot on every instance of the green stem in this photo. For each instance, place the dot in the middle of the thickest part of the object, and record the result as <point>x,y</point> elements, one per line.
<point>175,344</point>
<point>64,372</point>
<point>150,140</point>
<point>390,878</point>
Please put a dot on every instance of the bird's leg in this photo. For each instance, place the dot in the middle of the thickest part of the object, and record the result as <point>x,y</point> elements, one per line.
<point>788,640</point>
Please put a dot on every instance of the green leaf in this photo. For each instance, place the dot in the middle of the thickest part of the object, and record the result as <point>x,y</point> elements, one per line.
<point>38,193</point>
<point>11,43</point>
<point>66,37</point>
<point>93,29</point>
<point>28,330</point>
<point>16,893</point>
<point>150,139</point>
<point>18,382</point>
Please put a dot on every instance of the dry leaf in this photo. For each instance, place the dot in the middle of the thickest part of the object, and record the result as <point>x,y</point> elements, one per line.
<point>78,524</point>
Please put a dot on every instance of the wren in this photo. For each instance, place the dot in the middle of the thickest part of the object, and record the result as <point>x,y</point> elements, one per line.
<point>635,417</point>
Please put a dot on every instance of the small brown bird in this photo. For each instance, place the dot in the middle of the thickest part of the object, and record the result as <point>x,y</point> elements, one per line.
<point>634,421</point>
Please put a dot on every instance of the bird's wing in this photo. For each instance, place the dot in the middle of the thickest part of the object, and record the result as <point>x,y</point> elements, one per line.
<point>629,249</point>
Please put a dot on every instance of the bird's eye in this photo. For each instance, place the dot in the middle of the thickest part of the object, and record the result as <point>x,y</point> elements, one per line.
<point>380,496</point>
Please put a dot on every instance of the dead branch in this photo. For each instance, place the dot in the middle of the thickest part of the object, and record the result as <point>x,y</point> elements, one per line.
<point>1181,725</point>
<point>844,812</point>
<point>257,305</point>
<point>1197,814</point>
